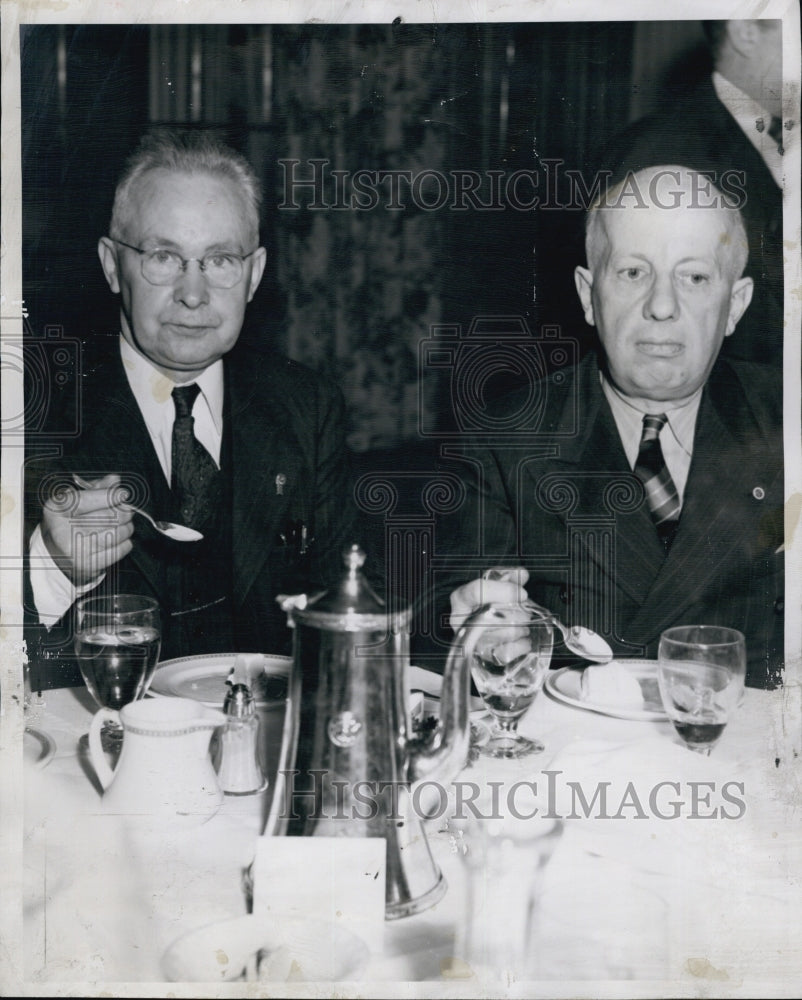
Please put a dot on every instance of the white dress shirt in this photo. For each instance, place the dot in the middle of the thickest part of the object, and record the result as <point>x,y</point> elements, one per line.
<point>152,392</point>
<point>53,592</point>
<point>676,437</point>
<point>747,113</point>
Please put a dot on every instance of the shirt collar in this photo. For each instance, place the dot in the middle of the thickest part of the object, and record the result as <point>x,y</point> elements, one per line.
<point>630,411</point>
<point>152,389</point>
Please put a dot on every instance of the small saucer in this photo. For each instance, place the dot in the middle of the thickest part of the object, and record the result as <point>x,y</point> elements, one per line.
<point>274,947</point>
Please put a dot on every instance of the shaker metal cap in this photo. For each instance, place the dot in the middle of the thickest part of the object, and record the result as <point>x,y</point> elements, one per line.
<point>239,701</point>
<point>353,605</point>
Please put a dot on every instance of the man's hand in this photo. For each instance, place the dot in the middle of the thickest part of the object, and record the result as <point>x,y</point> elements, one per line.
<point>499,585</point>
<point>86,531</point>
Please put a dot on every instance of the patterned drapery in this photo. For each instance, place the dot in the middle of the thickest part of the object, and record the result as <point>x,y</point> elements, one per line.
<point>352,291</point>
<point>361,286</point>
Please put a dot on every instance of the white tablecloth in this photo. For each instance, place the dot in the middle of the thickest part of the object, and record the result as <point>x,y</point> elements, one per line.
<point>632,904</point>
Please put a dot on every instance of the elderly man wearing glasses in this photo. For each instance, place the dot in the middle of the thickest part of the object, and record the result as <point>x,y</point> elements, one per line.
<point>245,447</point>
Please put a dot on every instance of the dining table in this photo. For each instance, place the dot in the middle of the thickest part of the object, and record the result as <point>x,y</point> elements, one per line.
<point>676,874</point>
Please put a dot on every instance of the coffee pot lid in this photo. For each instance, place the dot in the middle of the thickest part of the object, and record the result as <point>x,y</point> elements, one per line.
<point>351,606</point>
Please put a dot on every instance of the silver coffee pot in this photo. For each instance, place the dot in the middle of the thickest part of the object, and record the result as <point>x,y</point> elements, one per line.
<point>350,763</point>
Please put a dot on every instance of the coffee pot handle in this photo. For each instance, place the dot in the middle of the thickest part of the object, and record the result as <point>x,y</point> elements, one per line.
<point>96,755</point>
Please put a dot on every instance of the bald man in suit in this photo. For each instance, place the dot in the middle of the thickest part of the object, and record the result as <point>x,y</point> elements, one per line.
<point>730,126</point>
<point>560,500</point>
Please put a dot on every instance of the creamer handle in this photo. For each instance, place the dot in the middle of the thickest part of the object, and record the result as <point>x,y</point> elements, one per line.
<point>96,755</point>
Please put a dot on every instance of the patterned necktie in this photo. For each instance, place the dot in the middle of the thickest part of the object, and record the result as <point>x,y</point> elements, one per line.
<point>651,469</point>
<point>195,477</point>
<point>776,132</point>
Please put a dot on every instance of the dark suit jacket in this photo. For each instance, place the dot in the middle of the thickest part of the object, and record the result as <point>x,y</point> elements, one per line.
<point>697,131</point>
<point>280,418</point>
<point>558,497</point>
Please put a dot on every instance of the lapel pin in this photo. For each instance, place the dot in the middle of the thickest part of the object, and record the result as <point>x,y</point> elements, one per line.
<point>758,493</point>
<point>281,479</point>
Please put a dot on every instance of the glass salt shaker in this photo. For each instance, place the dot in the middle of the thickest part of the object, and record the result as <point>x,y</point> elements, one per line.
<point>237,753</point>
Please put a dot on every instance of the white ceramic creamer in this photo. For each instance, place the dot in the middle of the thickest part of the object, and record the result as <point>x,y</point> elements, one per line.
<point>164,768</point>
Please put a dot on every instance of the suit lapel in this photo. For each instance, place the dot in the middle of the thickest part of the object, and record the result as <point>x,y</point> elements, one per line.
<point>266,468</point>
<point>588,461</point>
<point>718,503</point>
<point>716,509</point>
<point>263,446</point>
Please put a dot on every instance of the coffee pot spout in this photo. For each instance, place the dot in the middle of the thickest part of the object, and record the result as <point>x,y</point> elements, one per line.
<point>442,753</point>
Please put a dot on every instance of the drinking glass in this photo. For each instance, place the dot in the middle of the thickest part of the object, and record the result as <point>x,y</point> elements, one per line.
<point>701,671</point>
<point>504,860</point>
<point>509,664</point>
<point>117,642</point>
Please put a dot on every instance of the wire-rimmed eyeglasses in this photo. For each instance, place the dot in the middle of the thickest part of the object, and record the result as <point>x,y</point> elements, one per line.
<point>221,268</point>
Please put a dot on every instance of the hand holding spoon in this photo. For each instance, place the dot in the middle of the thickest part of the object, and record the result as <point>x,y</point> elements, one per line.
<point>582,641</point>
<point>177,532</point>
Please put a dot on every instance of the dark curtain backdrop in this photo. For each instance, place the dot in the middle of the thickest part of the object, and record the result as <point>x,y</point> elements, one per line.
<point>349,291</point>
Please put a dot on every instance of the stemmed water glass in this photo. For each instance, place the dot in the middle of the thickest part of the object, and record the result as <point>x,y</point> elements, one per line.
<point>117,642</point>
<point>701,671</point>
<point>509,663</point>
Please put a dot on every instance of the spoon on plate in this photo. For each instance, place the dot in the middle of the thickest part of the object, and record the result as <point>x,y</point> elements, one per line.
<point>582,641</point>
<point>177,532</point>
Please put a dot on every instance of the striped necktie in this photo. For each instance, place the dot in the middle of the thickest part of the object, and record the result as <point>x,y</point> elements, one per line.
<point>195,477</point>
<point>651,469</point>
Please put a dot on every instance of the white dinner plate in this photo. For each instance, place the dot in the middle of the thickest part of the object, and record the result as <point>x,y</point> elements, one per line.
<point>565,685</point>
<point>38,747</point>
<point>203,678</point>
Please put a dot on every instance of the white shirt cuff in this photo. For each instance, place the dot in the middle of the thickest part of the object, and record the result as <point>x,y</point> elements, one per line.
<point>53,593</point>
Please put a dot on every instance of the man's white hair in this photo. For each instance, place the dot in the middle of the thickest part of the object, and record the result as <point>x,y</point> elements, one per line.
<point>687,182</point>
<point>191,152</point>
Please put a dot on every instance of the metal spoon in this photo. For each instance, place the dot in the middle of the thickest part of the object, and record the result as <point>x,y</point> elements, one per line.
<point>582,641</point>
<point>178,532</point>
<point>585,643</point>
